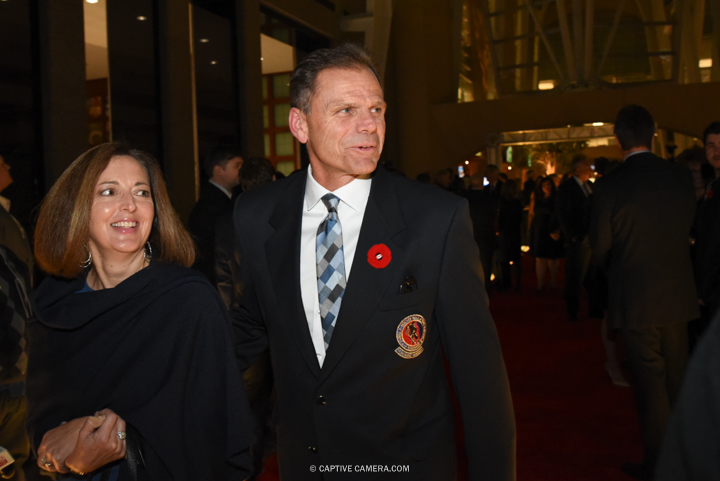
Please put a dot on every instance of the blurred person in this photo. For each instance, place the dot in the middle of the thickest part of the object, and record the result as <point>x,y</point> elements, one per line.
<point>640,226</point>
<point>510,216</point>
<point>545,244</point>
<point>557,179</point>
<point>424,177</point>
<point>572,208</point>
<point>695,161</point>
<point>692,442</point>
<point>443,178</point>
<point>131,367</point>
<point>494,186</point>
<point>707,236</point>
<point>254,172</point>
<point>258,378</point>
<point>222,166</point>
<point>359,280</point>
<point>482,216</point>
<point>16,267</point>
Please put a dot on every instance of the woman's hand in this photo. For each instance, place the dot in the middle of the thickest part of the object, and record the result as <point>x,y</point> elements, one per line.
<point>58,443</point>
<point>97,447</point>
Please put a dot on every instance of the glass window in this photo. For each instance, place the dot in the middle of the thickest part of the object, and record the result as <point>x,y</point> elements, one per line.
<point>267,145</point>
<point>282,112</point>
<point>285,167</point>
<point>281,85</point>
<point>265,88</point>
<point>283,144</point>
<point>266,116</point>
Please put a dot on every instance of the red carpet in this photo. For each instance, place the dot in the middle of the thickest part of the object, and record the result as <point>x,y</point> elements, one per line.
<point>572,423</point>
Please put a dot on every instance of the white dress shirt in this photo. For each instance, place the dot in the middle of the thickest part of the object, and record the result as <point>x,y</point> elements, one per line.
<point>351,210</point>
<point>223,189</point>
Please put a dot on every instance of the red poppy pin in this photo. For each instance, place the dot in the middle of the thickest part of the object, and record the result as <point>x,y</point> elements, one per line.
<point>379,256</point>
<point>709,194</point>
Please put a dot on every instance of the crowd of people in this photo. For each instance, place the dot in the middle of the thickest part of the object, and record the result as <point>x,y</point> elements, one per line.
<point>155,351</point>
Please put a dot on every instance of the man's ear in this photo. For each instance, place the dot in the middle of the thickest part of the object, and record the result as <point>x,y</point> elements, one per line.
<point>298,125</point>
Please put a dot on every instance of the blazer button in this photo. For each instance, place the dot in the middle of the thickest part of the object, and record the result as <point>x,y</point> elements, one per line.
<point>313,449</point>
<point>321,400</point>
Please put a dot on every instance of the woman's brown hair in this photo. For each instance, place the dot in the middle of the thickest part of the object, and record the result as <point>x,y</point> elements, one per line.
<point>62,232</point>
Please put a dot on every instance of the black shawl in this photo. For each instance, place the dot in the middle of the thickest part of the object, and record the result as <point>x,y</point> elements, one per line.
<point>155,349</point>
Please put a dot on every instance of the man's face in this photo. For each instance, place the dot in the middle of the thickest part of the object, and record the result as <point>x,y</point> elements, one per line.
<point>712,150</point>
<point>345,128</point>
<point>228,176</point>
<point>583,172</point>
<point>5,177</point>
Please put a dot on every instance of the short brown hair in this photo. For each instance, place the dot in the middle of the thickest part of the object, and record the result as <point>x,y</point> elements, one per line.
<point>63,227</point>
<point>303,81</point>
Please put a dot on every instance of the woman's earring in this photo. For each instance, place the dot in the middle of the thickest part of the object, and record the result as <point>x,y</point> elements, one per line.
<point>88,261</point>
<point>147,254</point>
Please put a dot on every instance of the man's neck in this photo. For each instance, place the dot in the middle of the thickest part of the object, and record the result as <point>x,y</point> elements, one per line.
<point>635,150</point>
<point>227,191</point>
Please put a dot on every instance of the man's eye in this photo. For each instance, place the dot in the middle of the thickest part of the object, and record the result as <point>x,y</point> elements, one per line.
<point>344,111</point>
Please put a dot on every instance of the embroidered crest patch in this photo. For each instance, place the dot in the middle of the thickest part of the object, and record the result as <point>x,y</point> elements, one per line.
<point>410,334</point>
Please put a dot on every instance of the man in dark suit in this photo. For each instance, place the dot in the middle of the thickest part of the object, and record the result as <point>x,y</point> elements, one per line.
<point>484,221</point>
<point>572,207</point>
<point>640,227</point>
<point>222,166</point>
<point>16,265</point>
<point>707,225</point>
<point>360,280</point>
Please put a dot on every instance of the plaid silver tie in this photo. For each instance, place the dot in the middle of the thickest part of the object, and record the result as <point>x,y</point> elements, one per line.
<point>330,266</point>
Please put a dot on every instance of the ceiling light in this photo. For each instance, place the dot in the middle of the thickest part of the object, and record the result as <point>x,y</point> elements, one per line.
<point>509,167</point>
<point>88,1</point>
<point>546,85</point>
<point>204,40</point>
<point>467,162</point>
<point>141,18</point>
<point>598,124</point>
<point>261,59</point>
<point>213,62</point>
<point>705,63</point>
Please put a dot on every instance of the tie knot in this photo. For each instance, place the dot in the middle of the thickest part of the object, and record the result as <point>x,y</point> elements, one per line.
<point>331,202</point>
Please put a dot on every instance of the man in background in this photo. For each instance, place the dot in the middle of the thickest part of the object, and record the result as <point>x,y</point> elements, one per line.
<point>16,263</point>
<point>222,166</point>
<point>642,214</point>
<point>572,208</point>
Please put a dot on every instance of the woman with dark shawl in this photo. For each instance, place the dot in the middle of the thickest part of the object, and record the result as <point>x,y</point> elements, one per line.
<point>131,370</point>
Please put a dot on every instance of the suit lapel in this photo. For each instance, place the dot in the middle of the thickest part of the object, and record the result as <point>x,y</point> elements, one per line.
<point>382,221</point>
<point>282,251</point>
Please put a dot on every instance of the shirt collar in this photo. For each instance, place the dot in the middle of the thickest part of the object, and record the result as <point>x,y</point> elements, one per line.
<point>635,153</point>
<point>5,202</point>
<point>225,191</point>
<point>354,194</point>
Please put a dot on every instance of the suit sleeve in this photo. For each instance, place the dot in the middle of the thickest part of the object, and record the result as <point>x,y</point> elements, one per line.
<point>249,331</point>
<point>471,344</point>
<point>601,226</point>
<point>563,212</point>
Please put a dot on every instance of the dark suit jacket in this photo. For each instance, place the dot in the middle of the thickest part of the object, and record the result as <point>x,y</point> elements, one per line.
<point>573,210</point>
<point>369,405</point>
<point>13,237</point>
<point>707,248</point>
<point>212,204</point>
<point>640,228</point>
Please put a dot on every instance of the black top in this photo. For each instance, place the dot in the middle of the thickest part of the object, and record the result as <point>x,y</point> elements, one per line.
<point>211,205</point>
<point>156,350</point>
<point>707,248</point>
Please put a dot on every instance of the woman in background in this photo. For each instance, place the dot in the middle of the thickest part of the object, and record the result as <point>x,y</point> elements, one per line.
<point>131,372</point>
<point>545,244</point>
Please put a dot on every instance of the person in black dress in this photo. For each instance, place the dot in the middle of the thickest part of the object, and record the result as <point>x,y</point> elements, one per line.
<point>545,245</point>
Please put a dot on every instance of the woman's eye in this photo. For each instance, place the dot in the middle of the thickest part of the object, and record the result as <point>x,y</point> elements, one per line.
<point>107,192</point>
<point>143,193</point>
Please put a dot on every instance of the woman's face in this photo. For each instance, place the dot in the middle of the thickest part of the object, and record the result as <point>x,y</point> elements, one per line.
<point>122,211</point>
<point>547,188</point>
